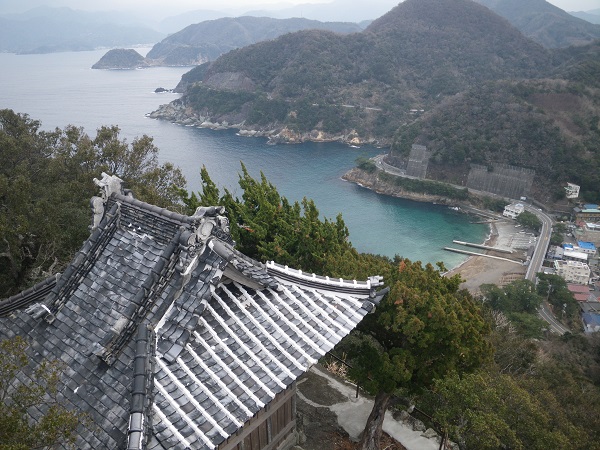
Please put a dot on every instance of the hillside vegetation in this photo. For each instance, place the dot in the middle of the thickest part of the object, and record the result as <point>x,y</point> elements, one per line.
<point>451,75</point>
<point>207,40</point>
<point>550,126</point>
<point>367,81</point>
<point>545,23</point>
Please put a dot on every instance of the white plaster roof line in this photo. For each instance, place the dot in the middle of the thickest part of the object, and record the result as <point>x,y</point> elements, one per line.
<point>309,313</point>
<point>247,370</point>
<point>351,310</point>
<point>278,328</point>
<point>216,379</point>
<point>184,416</point>
<point>171,427</point>
<point>232,334</point>
<point>298,317</point>
<point>194,402</point>
<point>264,333</point>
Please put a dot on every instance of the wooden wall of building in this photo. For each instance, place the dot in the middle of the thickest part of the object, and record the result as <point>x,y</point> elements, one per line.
<point>271,427</point>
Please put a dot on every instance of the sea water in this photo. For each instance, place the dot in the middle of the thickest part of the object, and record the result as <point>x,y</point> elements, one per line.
<point>61,89</point>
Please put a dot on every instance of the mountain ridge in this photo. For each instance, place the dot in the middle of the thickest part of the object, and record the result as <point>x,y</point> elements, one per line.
<point>46,30</point>
<point>545,23</point>
<point>389,84</point>
<point>368,81</point>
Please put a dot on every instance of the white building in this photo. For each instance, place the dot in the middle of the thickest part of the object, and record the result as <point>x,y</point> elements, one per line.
<point>572,190</point>
<point>575,255</point>
<point>513,210</point>
<point>573,271</point>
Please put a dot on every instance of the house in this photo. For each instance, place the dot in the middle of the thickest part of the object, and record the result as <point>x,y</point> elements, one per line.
<point>581,292</point>
<point>572,190</point>
<point>172,339</point>
<point>590,316</point>
<point>587,213</point>
<point>586,247</point>
<point>513,210</point>
<point>572,254</point>
<point>572,271</point>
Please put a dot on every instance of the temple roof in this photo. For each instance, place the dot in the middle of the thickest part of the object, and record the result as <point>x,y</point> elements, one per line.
<point>170,337</point>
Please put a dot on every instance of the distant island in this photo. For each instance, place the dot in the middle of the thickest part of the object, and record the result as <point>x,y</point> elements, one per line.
<point>121,59</point>
<point>207,40</point>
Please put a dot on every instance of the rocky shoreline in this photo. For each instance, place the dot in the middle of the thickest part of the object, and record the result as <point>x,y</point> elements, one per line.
<point>372,181</point>
<point>176,112</point>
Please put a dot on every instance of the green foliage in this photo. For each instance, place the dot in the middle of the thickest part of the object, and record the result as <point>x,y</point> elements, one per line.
<point>56,426</point>
<point>554,288</point>
<point>494,204</point>
<point>488,410</point>
<point>426,187</point>
<point>366,81</point>
<point>556,238</point>
<point>366,164</point>
<point>519,301</point>
<point>266,226</point>
<point>544,125</point>
<point>46,182</point>
<point>201,97</point>
<point>424,329</point>
<point>529,220</point>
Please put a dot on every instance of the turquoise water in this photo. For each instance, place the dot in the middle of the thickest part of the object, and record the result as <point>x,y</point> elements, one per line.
<point>60,89</point>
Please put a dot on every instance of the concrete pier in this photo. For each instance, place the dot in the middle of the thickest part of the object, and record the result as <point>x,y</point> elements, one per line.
<point>466,252</point>
<point>484,247</point>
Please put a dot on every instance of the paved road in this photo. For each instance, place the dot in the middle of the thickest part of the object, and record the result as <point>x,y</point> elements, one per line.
<point>555,325</point>
<point>543,242</point>
<point>535,265</point>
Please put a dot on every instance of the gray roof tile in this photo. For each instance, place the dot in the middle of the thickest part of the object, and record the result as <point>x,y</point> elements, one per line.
<point>217,356</point>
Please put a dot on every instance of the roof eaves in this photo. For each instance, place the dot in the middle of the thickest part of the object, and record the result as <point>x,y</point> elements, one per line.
<point>29,297</point>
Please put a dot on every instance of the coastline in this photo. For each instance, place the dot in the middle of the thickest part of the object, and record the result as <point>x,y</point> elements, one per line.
<point>478,270</point>
<point>175,112</point>
<point>474,270</point>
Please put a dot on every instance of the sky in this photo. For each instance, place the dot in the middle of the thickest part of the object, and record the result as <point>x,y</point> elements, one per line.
<point>178,6</point>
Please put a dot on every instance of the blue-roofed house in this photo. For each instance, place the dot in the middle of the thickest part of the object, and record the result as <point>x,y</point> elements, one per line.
<point>591,322</point>
<point>587,247</point>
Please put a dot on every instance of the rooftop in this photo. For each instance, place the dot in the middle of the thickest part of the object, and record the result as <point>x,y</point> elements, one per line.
<point>171,337</point>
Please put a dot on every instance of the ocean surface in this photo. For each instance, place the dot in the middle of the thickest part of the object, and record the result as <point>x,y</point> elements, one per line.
<point>61,88</point>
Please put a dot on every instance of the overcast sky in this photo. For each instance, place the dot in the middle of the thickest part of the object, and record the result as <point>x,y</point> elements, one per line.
<point>178,6</point>
<point>567,5</point>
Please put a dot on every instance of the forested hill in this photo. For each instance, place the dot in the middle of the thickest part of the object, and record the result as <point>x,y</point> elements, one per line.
<point>545,23</point>
<point>207,40</point>
<point>408,59</point>
<point>550,126</point>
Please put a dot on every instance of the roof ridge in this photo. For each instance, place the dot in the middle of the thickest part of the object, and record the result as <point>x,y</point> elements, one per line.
<point>142,303</point>
<point>83,262</point>
<point>313,279</point>
<point>35,293</point>
<point>159,211</point>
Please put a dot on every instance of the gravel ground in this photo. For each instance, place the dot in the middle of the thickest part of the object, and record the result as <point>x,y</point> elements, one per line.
<point>478,270</point>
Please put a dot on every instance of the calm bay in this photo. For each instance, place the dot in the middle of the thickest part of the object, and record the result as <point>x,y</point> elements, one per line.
<point>61,88</point>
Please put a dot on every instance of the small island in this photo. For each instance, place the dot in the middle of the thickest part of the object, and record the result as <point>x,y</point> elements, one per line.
<point>121,58</point>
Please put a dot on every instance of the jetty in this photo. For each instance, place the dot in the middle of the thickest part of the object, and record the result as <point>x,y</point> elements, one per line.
<point>483,247</point>
<point>467,252</point>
